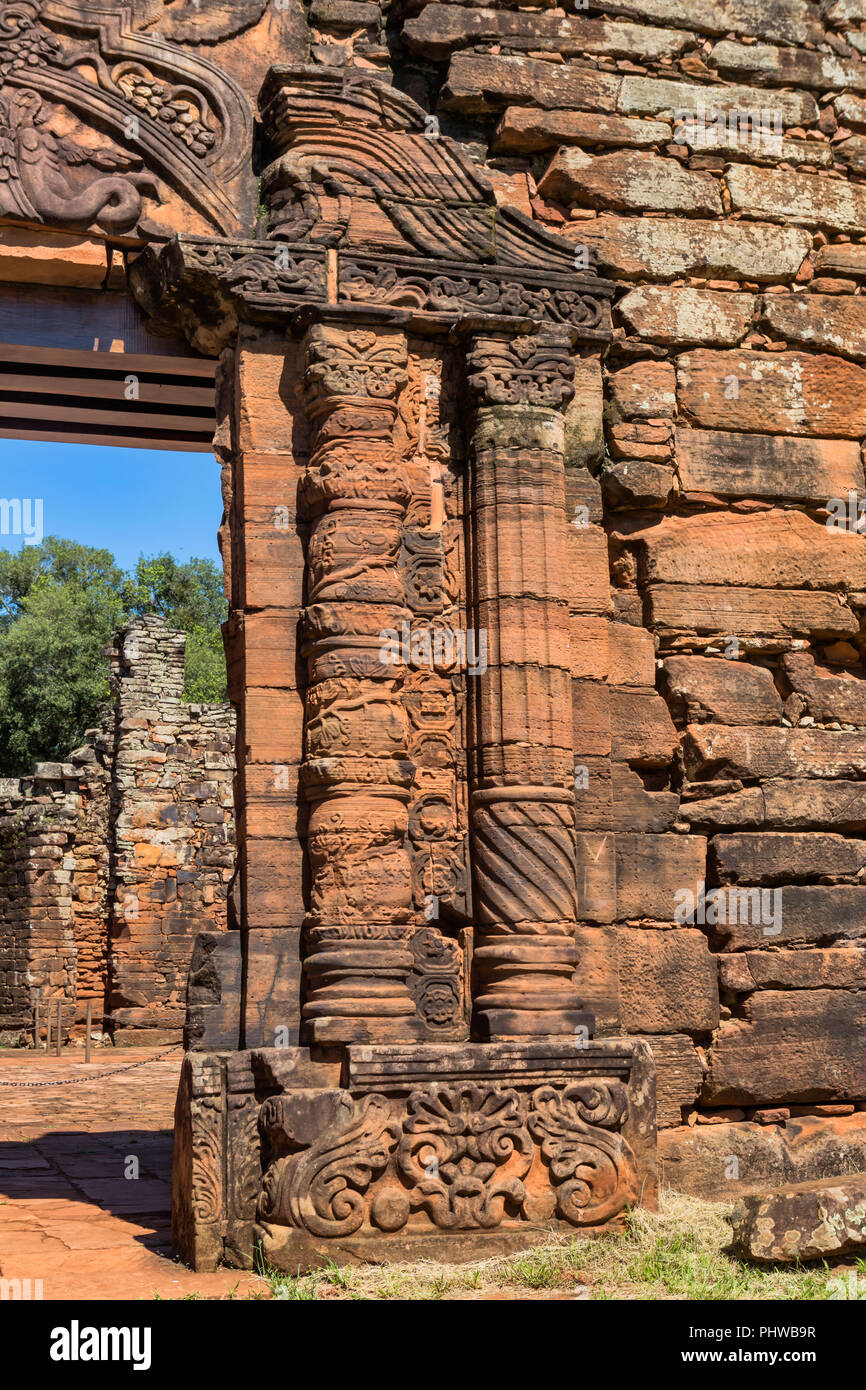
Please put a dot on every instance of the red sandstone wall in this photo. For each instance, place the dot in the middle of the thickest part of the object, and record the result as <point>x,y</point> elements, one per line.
<point>719,695</point>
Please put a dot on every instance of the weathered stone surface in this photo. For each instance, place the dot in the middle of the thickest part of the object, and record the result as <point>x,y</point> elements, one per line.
<point>785,857</point>
<point>767,465</point>
<point>679,1074</point>
<point>788,66</point>
<point>644,390</point>
<point>584,439</point>
<point>764,614</point>
<point>830,695</point>
<point>637,483</point>
<point>599,975</point>
<point>632,655</point>
<point>441,29</point>
<point>826,321</point>
<point>651,870</point>
<point>642,730</point>
<point>712,750</point>
<point>596,877</point>
<point>852,153</point>
<point>808,199</point>
<point>850,109</point>
<point>637,807</point>
<point>43,257</point>
<point>794,915</point>
<point>629,181</point>
<point>653,96</point>
<point>589,647</point>
<point>588,570</point>
<point>665,248</point>
<point>524,130</point>
<point>785,393</point>
<point>830,967</point>
<point>803,1045</point>
<point>791,21</point>
<point>698,1159</point>
<point>730,692</point>
<point>795,804</point>
<point>804,1221</point>
<point>771,549</point>
<point>667,981</point>
<point>676,317</point>
<point>842,258</point>
<point>213,1004</point>
<point>591,714</point>
<point>478,84</point>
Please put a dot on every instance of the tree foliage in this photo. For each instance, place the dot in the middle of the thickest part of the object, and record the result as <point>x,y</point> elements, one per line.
<point>60,605</point>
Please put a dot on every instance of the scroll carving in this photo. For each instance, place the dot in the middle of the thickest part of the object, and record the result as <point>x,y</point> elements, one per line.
<point>452,1157</point>
<point>151,113</point>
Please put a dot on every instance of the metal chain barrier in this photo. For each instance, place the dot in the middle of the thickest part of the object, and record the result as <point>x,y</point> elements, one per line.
<point>97,1076</point>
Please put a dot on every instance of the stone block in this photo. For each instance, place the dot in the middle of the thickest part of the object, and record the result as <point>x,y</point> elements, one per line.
<point>785,857</point>
<point>765,465</point>
<point>629,181</point>
<point>679,1074</point>
<point>670,247</point>
<point>652,869</point>
<point>700,688</point>
<point>681,316</point>
<point>802,1045</point>
<point>803,1221</point>
<point>667,981</point>
<point>723,1161</point>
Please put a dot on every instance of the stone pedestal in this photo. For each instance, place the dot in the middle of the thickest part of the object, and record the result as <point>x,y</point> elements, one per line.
<point>409,1151</point>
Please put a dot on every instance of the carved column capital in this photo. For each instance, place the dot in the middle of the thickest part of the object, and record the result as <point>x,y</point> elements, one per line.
<point>534,370</point>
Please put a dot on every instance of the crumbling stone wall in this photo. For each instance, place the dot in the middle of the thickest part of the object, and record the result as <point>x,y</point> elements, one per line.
<point>711,160</point>
<point>111,862</point>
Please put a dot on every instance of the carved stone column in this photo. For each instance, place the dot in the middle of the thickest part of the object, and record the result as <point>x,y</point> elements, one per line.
<point>356,772</point>
<point>522,758</point>
<point>386,251</point>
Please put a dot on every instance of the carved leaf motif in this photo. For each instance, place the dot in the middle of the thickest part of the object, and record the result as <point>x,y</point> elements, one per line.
<point>322,1189</point>
<point>465,1150</point>
<point>522,371</point>
<point>594,1169</point>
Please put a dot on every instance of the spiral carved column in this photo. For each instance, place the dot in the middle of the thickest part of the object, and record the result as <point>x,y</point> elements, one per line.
<point>356,771</point>
<point>522,758</point>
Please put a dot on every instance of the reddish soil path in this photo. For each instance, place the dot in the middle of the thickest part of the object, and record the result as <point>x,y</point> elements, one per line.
<point>69,1215</point>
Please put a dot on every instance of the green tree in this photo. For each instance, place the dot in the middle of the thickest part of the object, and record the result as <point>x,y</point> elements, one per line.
<point>189,596</point>
<point>60,605</point>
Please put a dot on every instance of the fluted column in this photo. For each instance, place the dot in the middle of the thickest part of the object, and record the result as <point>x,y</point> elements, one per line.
<point>356,772</point>
<point>521,755</point>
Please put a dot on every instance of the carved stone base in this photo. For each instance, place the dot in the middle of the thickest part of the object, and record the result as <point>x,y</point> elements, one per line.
<point>398,1151</point>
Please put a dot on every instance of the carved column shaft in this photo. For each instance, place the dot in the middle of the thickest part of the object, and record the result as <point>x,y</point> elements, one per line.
<point>522,757</point>
<point>356,772</point>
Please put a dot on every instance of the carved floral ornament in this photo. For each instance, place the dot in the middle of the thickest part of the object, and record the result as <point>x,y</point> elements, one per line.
<point>81,92</point>
<point>458,1157</point>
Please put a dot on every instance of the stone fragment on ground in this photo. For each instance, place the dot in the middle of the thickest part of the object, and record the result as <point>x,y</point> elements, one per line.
<point>804,1221</point>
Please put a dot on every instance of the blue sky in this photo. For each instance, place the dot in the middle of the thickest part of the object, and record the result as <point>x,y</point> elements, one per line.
<point>130,501</point>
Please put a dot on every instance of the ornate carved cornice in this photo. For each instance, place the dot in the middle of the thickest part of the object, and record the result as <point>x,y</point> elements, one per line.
<point>399,220</point>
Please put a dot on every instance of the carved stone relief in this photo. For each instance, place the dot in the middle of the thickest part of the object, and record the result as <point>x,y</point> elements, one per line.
<point>107,129</point>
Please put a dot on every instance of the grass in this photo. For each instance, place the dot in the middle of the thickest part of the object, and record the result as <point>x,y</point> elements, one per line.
<point>678,1252</point>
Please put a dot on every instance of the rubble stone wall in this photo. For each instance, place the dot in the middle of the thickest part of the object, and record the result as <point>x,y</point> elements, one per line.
<point>712,160</point>
<point>113,861</point>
